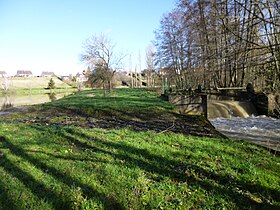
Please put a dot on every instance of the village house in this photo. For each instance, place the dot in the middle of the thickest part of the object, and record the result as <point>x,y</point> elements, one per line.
<point>47,74</point>
<point>65,78</point>
<point>3,74</point>
<point>24,73</point>
<point>166,71</point>
<point>81,78</point>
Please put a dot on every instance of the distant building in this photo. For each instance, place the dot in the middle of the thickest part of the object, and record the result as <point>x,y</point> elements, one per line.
<point>47,74</point>
<point>127,73</point>
<point>24,73</point>
<point>166,71</point>
<point>3,74</point>
<point>65,78</point>
<point>81,77</point>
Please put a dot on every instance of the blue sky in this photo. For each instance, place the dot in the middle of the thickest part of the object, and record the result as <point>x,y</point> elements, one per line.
<point>48,35</point>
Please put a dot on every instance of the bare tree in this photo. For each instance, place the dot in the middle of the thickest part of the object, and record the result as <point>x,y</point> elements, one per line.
<point>101,57</point>
<point>132,78</point>
<point>140,69</point>
<point>171,47</point>
<point>5,84</point>
<point>150,54</point>
<point>227,43</point>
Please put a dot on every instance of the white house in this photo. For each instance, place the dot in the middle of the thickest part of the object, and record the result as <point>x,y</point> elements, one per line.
<point>3,74</point>
<point>47,74</point>
<point>24,73</point>
<point>81,77</point>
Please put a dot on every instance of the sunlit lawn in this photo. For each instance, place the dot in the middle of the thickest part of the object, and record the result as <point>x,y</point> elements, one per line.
<point>66,167</point>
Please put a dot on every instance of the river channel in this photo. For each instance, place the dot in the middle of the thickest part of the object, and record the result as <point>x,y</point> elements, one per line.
<point>260,130</point>
<point>9,101</point>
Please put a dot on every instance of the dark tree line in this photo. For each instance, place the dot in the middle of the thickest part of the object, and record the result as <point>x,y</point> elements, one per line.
<point>221,43</point>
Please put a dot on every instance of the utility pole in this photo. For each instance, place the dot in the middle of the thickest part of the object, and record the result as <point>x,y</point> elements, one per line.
<point>131,72</point>
<point>139,60</point>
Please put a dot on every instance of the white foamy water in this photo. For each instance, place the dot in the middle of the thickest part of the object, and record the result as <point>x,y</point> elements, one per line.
<point>260,129</point>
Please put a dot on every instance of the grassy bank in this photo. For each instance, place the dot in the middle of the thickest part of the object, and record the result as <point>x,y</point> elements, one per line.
<point>36,85</point>
<point>60,157</point>
<point>39,91</point>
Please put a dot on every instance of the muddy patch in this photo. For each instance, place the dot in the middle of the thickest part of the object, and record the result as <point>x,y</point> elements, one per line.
<point>157,122</point>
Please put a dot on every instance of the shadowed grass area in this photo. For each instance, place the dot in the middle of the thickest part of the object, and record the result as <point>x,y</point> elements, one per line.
<point>71,168</point>
<point>48,163</point>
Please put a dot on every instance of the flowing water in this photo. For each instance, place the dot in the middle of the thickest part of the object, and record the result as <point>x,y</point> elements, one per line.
<point>235,120</point>
<point>228,109</point>
<point>261,130</point>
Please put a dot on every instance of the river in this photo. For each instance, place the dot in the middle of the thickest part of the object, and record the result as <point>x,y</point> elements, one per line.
<point>8,101</point>
<point>261,130</point>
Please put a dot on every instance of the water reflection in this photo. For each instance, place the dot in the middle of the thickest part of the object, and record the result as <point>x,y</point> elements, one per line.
<point>52,96</point>
<point>8,101</point>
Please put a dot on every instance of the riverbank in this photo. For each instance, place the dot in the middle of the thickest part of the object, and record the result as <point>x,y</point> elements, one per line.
<point>138,110</point>
<point>39,91</point>
<point>18,83</point>
<point>129,150</point>
<point>33,85</point>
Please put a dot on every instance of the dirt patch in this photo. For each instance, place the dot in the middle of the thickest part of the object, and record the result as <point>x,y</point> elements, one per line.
<point>158,122</point>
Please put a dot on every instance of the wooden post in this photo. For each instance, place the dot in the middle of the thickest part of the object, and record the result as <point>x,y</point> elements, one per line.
<point>204,104</point>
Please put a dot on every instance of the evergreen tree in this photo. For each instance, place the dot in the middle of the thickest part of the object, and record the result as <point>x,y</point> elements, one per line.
<point>51,84</point>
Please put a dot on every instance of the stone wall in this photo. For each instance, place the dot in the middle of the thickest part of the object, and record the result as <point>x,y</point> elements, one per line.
<point>260,101</point>
<point>192,104</point>
<point>265,104</point>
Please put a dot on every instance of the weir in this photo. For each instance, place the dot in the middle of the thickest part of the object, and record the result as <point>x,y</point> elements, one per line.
<point>216,104</point>
<point>236,116</point>
<point>227,109</point>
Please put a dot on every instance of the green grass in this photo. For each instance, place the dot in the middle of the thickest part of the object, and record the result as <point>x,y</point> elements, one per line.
<point>131,101</point>
<point>67,167</point>
<point>36,85</point>
<point>39,91</point>
<point>35,82</point>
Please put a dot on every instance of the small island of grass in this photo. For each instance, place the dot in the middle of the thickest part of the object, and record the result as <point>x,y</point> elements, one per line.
<point>128,150</point>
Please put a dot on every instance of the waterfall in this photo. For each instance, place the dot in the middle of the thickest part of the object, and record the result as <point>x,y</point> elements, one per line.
<point>227,109</point>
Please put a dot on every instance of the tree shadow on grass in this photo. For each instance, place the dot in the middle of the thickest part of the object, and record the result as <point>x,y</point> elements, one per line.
<point>42,191</point>
<point>216,184</point>
<point>64,157</point>
<point>6,202</point>
<point>38,189</point>
<point>222,185</point>
<point>166,167</point>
